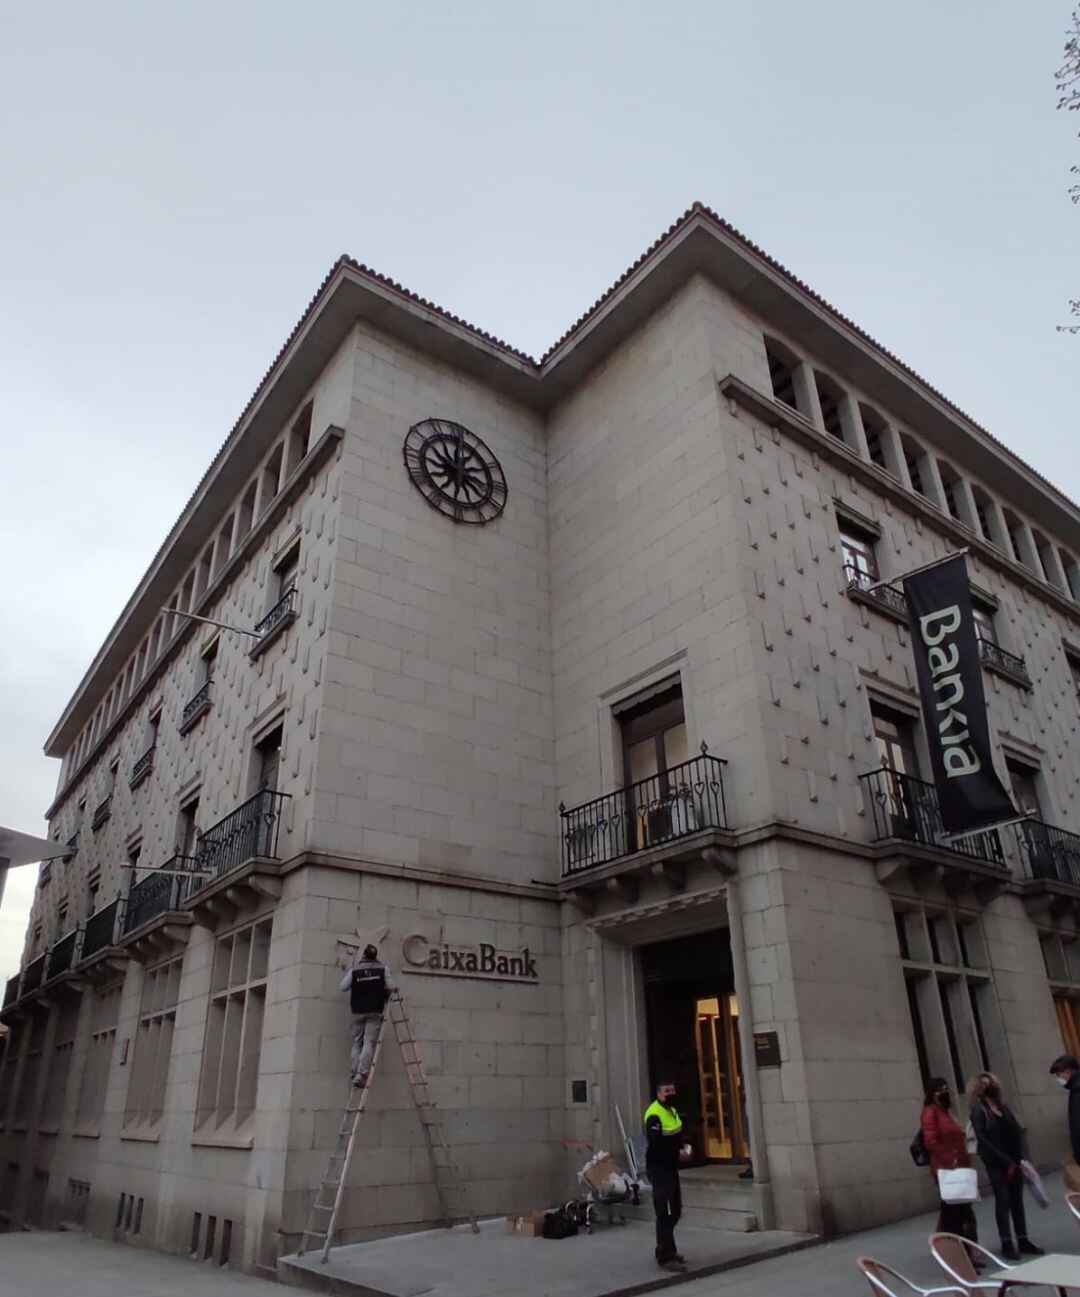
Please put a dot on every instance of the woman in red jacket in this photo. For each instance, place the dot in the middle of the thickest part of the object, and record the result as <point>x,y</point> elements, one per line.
<point>946,1145</point>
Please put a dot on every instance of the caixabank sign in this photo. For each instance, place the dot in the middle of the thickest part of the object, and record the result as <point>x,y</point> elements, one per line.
<point>422,955</point>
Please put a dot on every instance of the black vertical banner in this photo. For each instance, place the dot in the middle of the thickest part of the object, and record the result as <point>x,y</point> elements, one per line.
<point>970,794</point>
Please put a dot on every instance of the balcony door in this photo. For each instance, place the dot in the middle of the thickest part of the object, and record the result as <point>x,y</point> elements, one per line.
<point>654,744</point>
<point>912,807</point>
<point>895,736</point>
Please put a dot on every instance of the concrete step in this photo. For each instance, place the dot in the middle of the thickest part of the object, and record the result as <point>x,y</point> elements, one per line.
<point>729,1219</point>
<point>718,1194</point>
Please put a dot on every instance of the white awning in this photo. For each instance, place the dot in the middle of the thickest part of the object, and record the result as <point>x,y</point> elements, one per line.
<point>24,849</point>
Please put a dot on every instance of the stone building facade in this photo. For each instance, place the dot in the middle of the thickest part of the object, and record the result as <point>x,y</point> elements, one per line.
<point>642,726</point>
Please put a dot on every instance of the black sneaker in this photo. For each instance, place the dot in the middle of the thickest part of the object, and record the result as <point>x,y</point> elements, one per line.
<point>1028,1248</point>
<point>1009,1253</point>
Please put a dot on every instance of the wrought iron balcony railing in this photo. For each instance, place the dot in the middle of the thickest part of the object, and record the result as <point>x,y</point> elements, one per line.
<point>906,807</point>
<point>142,767</point>
<point>993,655</point>
<point>101,812</point>
<point>157,893</point>
<point>195,708</point>
<point>282,612</point>
<point>889,597</point>
<point>101,930</point>
<point>1048,852</point>
<point>682,800</point>
<point>62,955</point>
<point>11,991</point>
<point>251,830</point>
<point>33,975</point>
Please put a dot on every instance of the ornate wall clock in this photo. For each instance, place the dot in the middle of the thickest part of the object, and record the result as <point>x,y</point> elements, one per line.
<point>455,471</point>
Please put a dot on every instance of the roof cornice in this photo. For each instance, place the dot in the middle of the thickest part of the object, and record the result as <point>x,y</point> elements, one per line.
<point>698,243</point>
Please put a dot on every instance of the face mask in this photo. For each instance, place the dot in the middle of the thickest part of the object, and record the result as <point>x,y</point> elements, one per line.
<point>992,1092</point>
<point>668,1099</point>
<point>945,1099</point>
<point>1062,1080</point>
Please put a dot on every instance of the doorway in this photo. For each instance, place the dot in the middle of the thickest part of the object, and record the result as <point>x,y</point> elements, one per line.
<point>692,1031</point>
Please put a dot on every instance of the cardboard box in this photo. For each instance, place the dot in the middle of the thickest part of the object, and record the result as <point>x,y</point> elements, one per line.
<point>528,1225</point>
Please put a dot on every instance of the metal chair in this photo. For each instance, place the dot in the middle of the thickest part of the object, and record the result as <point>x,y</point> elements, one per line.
<point>953,1255</point>
<point>884,1281</point>
<point>1072,1201</point>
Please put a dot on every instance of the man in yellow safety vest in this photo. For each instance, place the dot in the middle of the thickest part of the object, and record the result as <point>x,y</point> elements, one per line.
<point>663,1151</point>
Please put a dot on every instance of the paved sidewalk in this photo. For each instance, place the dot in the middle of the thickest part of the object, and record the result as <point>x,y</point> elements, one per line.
<point>829,1270</point>
<point>37,1263</point>
<point>47,1264</point>
<point>611,1262</point>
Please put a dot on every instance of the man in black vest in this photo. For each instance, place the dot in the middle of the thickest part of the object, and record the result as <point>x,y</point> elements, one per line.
<point>369,985</point>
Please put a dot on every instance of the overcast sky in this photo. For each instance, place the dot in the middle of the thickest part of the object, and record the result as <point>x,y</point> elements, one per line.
<point>177,179</point>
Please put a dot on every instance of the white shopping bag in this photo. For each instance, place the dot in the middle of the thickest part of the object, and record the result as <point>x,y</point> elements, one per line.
<point>961,1184</point>
<point>1035,1184</point>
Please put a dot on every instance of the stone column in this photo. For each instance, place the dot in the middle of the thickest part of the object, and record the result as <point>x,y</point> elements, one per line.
<point>894,454</point>
<point>1053,566</point>
<point>1029,555</point>
<point>999,533</point>
<point>806,397</point>
<point>965,504</point>
<point>933,486</point>
<point>852,425</point>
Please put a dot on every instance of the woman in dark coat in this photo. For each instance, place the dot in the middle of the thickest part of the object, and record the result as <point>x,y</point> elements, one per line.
<point>1001,1145</point>
<point>947,1149</point>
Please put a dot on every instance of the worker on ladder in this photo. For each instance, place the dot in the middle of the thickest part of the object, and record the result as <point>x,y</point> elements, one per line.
<point>369,985</point>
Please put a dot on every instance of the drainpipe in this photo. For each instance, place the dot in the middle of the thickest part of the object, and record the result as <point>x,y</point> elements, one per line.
<point>763,1198</point>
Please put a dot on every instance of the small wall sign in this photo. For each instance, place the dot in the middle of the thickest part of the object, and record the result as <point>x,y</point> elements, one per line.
<point>766,1049</point>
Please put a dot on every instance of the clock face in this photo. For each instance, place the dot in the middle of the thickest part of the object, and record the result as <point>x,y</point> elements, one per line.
<point>455,471</point>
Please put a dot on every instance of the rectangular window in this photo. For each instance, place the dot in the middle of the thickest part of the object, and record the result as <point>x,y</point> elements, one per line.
<point>654,743</point>
<point>104,1013</point>
<point>1062,960</point>
<point>93,887</point>
<point>829,401</point>
<point>286,570</point>
<point>1023,782</point>
<point>983,616</point>
<point>983,507</point>
<point>1073,660</point>
<point>11,1066</point>
<point>874,426</point>
<point>153,1043</point>
<point>951,997</point>
<point>187,830</point>
<point>780,376</point>
<point>209,660</point>
<point>56,1080</point>
<point>31,1073</point>
<point>234,1026</point>
<point>858,553</point>
<point>267,765</point>
<point>895,735</point>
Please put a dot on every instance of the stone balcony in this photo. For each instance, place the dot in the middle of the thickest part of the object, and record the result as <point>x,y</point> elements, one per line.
<point>911,839</point>
<point>198,706</point>
<point>154,918</point>
<point>282,614</point>
<point>1047,862</point>
<point>657,824</point>
<point>235,861</point>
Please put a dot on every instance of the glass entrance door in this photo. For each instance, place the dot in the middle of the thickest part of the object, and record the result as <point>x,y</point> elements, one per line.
<point>716,1025</point>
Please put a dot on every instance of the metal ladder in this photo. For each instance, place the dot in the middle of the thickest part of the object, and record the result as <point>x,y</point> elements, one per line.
<point>326,1206</point>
